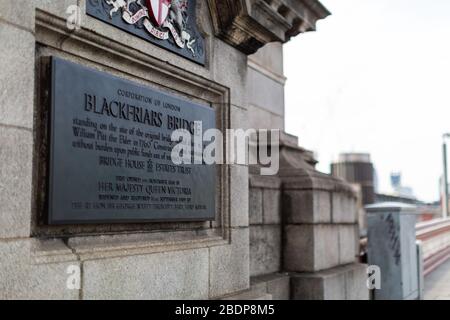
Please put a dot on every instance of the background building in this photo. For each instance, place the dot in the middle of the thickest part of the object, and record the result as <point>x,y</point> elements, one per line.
<point>357,168</point>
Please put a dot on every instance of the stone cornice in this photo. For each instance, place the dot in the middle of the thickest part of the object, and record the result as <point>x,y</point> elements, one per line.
<point>250,24</point>
<point>272,75</point>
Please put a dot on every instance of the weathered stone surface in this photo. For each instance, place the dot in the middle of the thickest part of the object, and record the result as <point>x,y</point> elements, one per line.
<point>230,69</point>
<point>307,287</point>
<point>18,12</point>
<point>255,206</point>
<point>310,247</point>
<point>279,287</point>
<point>239,118</point>
<point>298,248</point>
<point>24,276</point>
<point>319,287</point>
<point>325,246</point>
<point>347,243</point>
<point>297,172</point>
<point>249,295</point>
<point>306,206</point>
<point>356,282</point>
<point>339,283</point>
<point>271,206</point>
<point>229,265</point>
<point>264,182</point>
<point>265,249</point>
<point>169,275</point>
<point>344,208</point>
<point>51,250</point>
<point>275,284</point>
<point>58,8</point>
<point>249,25</point>
<point>16,76</point>
<point>139,243</point>
<point>334,287</point>
<point>239,196</point>
<point>258,286</point>
<point>15,183</point>
<point>263,119</point>
<point>265,92</point>
<point>256,291</point>
<point>270,57</point>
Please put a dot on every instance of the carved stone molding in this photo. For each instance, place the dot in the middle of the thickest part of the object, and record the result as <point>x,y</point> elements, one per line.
<point>297,170</point>
<point>250,24</point>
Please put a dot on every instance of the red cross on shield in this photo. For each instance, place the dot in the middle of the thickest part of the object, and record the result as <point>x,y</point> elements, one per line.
<point>158,9</point>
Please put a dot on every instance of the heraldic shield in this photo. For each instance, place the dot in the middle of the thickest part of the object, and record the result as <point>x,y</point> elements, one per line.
<point>159,10</point>
<point>170,24</point>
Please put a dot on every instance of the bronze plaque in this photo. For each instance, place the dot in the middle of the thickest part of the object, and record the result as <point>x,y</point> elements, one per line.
<point>110,152</point>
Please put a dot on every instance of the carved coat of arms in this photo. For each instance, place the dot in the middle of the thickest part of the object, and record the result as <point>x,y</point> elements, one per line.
<point>164,20</point>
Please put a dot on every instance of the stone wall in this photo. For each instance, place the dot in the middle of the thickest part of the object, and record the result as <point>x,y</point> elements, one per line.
<point>321,231</point>
<point>266,105</point>
<point>143,261</point>
<point>265,225</point>
<point>273,237</point>
<point>328,219</point>
<point>304,227</point>
<point>266,87</point>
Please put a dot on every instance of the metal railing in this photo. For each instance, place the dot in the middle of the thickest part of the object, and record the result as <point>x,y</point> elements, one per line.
<point>435,238</point>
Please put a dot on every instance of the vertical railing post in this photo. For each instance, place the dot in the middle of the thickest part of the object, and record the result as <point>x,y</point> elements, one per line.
<point>421,279</point>
<point>445,189</point>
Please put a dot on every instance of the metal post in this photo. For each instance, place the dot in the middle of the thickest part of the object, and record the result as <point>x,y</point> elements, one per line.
<point>445,198</point>
<point>420,269</point>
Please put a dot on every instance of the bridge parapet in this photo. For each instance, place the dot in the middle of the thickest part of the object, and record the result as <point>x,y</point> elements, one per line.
<point>435,237</point>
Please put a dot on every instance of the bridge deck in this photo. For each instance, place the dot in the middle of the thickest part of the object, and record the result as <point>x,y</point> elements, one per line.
<point>437,283</point>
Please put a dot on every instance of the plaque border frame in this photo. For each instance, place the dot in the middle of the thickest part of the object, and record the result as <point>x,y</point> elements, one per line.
<point>49,67</point>
<point>83,46</point>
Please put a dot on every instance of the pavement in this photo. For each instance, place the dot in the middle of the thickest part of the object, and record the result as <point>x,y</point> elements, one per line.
<point>437,283</point>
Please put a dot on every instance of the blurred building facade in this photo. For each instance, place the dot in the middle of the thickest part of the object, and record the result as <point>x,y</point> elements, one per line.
<point>357,168</point>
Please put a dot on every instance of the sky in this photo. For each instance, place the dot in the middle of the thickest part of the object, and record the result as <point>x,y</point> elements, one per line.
<point>375,77</point>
